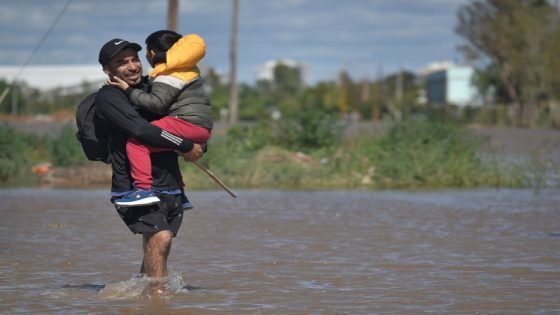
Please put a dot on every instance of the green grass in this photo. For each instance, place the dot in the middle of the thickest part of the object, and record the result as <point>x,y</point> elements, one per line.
<point>410,155</point>
<point>415,154</point>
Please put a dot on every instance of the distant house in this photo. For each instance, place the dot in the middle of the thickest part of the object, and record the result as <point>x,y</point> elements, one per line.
<point>452,85</point>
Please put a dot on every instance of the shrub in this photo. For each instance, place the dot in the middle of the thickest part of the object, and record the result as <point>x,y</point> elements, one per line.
<point>309,130</point>
<point>16,152</point>
<point>64,149</point>
<point>418,153</point>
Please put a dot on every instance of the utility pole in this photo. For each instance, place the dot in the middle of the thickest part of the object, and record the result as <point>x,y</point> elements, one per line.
<point>172,14</point>
<point>379,97</point>
<point>399,85</point>
<point>233,99</point>
<point>364,95</point>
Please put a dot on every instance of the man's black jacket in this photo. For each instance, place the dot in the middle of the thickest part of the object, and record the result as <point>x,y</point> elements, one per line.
<point>113,106</point>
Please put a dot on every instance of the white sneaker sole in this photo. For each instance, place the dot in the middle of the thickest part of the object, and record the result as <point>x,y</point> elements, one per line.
<point>136,203</point>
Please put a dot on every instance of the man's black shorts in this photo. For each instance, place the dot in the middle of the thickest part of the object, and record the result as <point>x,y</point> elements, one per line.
<point>167,215</point>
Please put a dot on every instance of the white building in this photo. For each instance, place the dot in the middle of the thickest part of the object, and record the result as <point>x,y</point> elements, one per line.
<point>448,83</point>
<point>47,77</point>
<point>435,67</point>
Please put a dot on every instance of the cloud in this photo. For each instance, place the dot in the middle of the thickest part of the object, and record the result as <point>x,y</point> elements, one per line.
<point>77,40</point>
<point>216,8</point>
<point>322,33</point>
<point>7,15</point>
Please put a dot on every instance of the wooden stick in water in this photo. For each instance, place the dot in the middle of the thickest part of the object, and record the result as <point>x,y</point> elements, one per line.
<point>215,178</point>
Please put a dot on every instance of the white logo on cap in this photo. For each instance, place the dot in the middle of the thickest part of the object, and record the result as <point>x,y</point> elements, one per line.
<point>119,42</point>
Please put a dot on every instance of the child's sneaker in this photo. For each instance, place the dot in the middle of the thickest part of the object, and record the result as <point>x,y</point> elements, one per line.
<point>137,197</point>
<point>187,205</point>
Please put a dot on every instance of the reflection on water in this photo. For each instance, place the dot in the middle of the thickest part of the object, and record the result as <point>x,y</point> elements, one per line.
<point>470,251</point>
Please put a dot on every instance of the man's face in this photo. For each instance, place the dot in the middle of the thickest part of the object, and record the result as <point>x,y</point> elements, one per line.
<point>125,65</point>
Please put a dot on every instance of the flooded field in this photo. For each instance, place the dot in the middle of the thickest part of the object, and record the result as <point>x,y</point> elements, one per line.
<point>289,252</point>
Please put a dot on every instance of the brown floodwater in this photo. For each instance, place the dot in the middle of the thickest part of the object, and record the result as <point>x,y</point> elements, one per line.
<point>289,252</point>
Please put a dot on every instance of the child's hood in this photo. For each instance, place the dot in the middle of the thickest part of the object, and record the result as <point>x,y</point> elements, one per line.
<point>185,53</point>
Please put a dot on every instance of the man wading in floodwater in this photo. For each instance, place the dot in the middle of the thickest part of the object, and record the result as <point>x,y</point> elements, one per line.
<point>157,223</point>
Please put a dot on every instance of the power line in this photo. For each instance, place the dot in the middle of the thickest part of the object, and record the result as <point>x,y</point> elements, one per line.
<point>37,47</point>
<point>40,43</point>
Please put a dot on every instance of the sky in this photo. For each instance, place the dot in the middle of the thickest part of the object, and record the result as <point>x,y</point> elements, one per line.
<point>363,37</point>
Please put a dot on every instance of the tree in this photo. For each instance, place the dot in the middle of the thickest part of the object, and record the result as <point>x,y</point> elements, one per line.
<point>344,85</point>
<point>512,38</point>
<point>286,88</point>
<point>287,80</point>
<point>322,97</point>
<point>254,103</point>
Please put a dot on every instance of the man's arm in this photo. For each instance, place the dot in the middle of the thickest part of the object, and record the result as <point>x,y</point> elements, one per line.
<point>112,105</point>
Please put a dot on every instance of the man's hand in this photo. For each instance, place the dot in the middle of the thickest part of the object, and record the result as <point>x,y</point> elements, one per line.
<point>194,154</point>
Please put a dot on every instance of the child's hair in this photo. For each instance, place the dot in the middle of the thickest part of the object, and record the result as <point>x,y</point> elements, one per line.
<point>160,42</point>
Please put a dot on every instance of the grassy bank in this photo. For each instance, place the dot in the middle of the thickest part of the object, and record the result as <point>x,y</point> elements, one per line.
<point>416,154</point>
<point>303,155</point>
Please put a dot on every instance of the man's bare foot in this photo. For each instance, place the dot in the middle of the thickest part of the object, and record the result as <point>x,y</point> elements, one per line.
<point>156,288</point>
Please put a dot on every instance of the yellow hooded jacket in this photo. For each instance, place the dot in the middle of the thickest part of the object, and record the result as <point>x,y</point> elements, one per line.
<point>182,59</point>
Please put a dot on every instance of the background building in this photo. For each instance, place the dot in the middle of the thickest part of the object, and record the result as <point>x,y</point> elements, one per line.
<point>452,85</point>
<point>48,77</point>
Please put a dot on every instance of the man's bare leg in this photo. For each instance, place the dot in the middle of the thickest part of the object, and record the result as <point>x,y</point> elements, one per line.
<point>156,251</point>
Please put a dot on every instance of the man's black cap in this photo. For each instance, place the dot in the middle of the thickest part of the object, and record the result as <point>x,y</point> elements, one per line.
<point>113,47</point>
